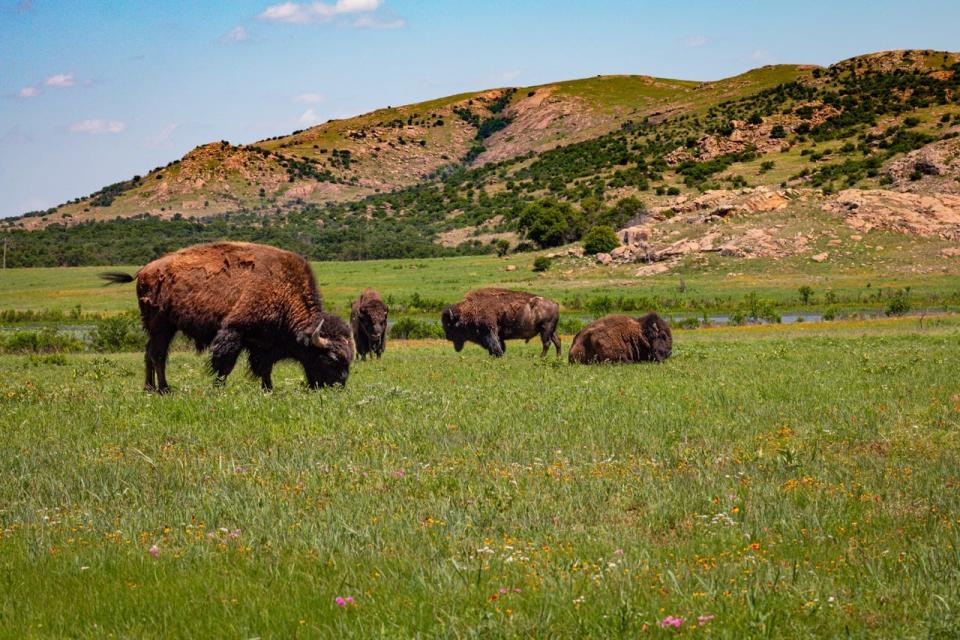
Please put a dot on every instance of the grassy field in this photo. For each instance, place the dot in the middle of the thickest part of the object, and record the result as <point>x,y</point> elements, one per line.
<point>774,481</point>
<point>854,281</point>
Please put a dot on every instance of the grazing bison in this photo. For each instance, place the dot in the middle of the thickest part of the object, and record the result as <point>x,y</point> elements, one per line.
<point>623,339</point>
<point>368,319</point>
<point>489,317</point>
<point>235,296</point>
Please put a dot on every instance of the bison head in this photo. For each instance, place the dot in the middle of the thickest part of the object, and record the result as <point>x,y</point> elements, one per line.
<point>450,319</point>
<point>657,332</point>
<point>330,353</point>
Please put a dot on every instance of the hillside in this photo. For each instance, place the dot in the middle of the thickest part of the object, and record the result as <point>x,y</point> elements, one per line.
<point>460,174</point>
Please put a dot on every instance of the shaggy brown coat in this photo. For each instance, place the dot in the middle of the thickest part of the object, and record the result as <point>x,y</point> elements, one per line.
<point>623,339</point>
<point>368,319</point>
<point>236,296</point>
<point>489,317</point>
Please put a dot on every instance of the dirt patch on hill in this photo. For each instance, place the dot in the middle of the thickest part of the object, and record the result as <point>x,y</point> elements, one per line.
<point>932,215</point>
<point>934,167</point>
<point>540,121</point>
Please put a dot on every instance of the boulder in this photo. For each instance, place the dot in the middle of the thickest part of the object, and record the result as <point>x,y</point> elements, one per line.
<point>604,259</point>
<point>820,257</point>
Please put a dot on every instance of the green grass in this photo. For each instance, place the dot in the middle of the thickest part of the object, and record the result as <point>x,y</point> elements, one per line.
<point>790,481</point>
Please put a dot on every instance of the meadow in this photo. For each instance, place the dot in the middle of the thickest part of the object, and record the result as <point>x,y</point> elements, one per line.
<point>766,481</point>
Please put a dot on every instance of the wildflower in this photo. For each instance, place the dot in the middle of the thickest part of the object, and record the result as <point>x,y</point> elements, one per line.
<point>618,552</point>
<point>671,621</point>
<point>154,551</point>
<point>399,473</point>
<point>755,546</point>
<point>702,620</point>
<point>233,535</point>
<point>343,602</point>
<point>504,590</point>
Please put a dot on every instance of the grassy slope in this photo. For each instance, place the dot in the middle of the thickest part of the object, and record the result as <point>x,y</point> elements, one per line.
<point>790,482</point>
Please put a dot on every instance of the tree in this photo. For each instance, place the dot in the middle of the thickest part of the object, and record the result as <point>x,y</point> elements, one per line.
<point>600,239</point>
<point>550,223</point>
<point>805,294</point>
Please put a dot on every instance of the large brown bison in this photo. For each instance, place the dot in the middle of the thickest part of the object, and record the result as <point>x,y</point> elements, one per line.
<point>368,319</point>
<point>235,296</point>
<point>623,339</point>
<point>489,317</point>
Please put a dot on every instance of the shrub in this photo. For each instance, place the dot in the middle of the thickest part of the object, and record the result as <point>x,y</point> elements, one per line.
<point>600,239</point>
<point>43,341</point>
<point>570,326</point>
<point>550,223</point>
<point>899,303</point>
<point>805,294</point>
<point>830,314</point>
<point>542,263</point>
<point>119,333</point>
<point>413,329</point>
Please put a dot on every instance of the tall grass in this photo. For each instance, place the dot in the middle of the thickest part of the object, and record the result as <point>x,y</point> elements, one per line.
<point>788,481</point>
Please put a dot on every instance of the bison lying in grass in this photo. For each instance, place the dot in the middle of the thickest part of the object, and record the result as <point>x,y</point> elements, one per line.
<point>235,296</point>
<point>490,317</point>
<point>368,319</point>
<point>623,339</point>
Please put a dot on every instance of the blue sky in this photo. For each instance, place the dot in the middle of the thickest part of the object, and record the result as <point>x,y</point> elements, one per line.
<point>94,92</point>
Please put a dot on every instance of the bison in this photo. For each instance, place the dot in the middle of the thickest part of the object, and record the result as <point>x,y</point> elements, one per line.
<point>368,319</point>
<point>623,339</point>
<point>489,317</point>
<point>236,296</point>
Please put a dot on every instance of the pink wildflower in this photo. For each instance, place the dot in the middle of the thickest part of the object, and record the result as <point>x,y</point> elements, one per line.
<point>671,621</point>
<point>705,619</point>
<point>233,535</point>
<point>343,602</point>
<point>504,590</point>
<point>154,551</point>
<point>399,473</point>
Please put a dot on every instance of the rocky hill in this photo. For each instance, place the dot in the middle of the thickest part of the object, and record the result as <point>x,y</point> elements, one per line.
<point>878,134</point>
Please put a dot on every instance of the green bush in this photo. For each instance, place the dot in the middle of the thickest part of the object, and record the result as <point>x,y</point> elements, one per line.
<point>899,303</point>
<point>413,329</point>
<point>550,223</point>
<point>43,341</point>
<point>570,326</point>
<point>600,239</point>
<point>542,263</point>
<point>119,333</point>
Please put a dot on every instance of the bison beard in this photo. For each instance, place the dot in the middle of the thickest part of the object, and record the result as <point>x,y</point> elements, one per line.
<point>234,296</point>
<point>623,339</point>
<point>490,317</point>
<point>368,319</point>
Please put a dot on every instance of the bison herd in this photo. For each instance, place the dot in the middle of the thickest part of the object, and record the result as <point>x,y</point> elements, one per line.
<point>231,297</point>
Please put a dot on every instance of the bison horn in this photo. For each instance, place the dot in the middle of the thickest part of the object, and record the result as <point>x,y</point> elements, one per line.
<point>317,339</point>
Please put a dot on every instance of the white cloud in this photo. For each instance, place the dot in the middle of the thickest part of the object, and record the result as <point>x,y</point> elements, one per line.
<point>309,117</point>
<point>303,13</point>
<point>694,42</point>
<point>60,80</point>
<point>237,34</point>
<point>162,137</point>
<point>311,98</point>
<point>28,92</point>
<point>97,126</point>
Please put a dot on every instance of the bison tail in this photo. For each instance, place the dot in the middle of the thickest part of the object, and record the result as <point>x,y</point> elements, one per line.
<point>116,277</point>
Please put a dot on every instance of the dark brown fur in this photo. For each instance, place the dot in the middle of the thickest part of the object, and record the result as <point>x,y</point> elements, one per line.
<point>236,296</point>
<point>490,317</point>
<point>368,319</point>
<point>623,339</point>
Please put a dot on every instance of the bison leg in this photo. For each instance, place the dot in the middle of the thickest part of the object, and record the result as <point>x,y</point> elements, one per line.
<point>224,351</point>
<point>155,358</point>
<point>363,345</point>
<point>556,342</point>
<point>494,344</point>
<point>261,365</point>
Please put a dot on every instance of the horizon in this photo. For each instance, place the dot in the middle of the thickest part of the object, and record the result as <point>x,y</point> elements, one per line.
<point>113,90</point>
